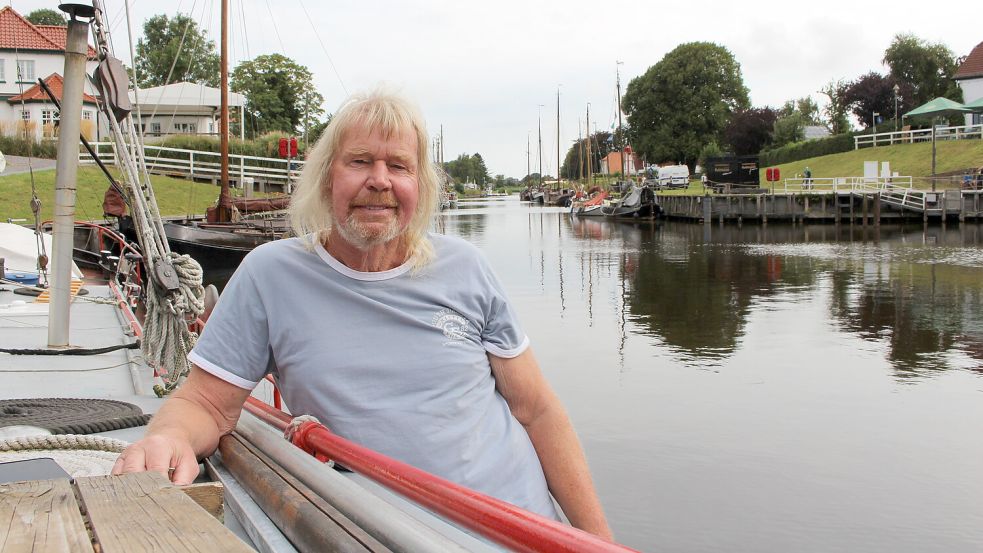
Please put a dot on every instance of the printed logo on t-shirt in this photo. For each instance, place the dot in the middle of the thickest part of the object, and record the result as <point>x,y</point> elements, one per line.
<point>453,325</point>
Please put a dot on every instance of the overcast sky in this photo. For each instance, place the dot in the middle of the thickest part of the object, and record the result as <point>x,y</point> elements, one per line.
<point>482,68</point>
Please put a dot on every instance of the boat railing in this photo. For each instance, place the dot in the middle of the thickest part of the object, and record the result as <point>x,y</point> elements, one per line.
<point>499,521</point>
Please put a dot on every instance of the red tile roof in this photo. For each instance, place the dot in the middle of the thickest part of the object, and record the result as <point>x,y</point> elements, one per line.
<point>20,34</point>
<point>36,94</point>
<point>972,66</point>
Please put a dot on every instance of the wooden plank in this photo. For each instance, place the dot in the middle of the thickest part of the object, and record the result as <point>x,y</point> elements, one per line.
<point>208,495</point>
<point>143,512</point>
<point>41,516</point>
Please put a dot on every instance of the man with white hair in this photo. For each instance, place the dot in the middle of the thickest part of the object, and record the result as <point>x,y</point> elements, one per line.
<point>396,338</point>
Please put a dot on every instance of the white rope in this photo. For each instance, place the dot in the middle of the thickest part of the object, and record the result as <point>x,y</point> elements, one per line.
<point>295,424</point>
<point>79,455</point>
<point>167,339</point>
<point>63,441</point>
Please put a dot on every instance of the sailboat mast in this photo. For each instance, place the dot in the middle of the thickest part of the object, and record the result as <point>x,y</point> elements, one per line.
<point>557,138</point>
<point>621,134</point>
<point>66,171</point>
<point>225,200</point>
<point>590,161</point>
<point>528,172</point>
<point>540,135</point>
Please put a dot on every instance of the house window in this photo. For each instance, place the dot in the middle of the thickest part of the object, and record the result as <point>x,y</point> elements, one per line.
<point>155,129</point>
<point>186,128</point>
<point>25,115</point>
<point>3,73</point>
<point>87,115</point>
<point>49,116</point>
<point>25,70</point>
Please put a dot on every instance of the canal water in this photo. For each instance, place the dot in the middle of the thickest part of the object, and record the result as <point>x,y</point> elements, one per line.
<point>766,389</point>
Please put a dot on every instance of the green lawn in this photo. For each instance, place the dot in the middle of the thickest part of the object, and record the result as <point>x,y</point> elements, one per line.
<point>914,160</point>
<point>174,196</point>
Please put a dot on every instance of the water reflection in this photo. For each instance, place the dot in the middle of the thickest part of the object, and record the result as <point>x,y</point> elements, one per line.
<point>903,288</point>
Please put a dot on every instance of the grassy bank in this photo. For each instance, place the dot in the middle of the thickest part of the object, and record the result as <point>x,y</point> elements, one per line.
<point>913,160</point>
<point>174,196</point>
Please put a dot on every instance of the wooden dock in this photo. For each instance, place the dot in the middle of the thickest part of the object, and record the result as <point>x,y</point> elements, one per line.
<point>827,207</point>
<point>128,513</point>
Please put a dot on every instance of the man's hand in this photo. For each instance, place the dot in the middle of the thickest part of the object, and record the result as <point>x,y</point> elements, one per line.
<point>168,455</point>
<point>187,427</point>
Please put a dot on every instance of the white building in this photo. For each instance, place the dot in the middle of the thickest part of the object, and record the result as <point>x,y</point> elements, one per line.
<point>182,108</point>
<point>969,77</point>
<point>27,52</point>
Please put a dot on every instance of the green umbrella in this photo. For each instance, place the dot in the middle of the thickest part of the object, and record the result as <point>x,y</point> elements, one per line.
<point>976,106</point>
<point>939,107</point>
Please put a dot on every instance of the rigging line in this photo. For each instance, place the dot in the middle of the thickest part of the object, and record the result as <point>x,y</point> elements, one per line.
<point>35,201</point>
<point>242,23</point>
<point>275,28</point>
<point>321,42</point>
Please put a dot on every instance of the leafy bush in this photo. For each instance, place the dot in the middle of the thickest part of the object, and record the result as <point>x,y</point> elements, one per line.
<point>15,146</point>
<point>805,150</point>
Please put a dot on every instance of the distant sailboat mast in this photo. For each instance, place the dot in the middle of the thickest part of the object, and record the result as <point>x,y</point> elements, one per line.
<point>558,138</point>
<point>621,134</point>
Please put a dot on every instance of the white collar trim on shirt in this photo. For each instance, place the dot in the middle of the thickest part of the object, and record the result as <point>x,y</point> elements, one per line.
<point>359,275</point>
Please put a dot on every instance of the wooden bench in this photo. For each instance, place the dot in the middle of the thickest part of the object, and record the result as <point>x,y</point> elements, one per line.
<point>133,512</point>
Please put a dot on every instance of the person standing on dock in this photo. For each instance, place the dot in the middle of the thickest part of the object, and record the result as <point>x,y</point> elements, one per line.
<point>394,337</point>
<point>807,180</point>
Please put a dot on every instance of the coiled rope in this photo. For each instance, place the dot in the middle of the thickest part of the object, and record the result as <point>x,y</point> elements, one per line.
<point>71,416</point>
<point>78,455</point>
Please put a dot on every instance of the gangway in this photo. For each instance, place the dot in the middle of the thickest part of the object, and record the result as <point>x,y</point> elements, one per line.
<point>896,191</point>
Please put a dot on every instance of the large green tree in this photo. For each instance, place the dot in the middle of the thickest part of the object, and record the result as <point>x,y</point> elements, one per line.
<point>173,50</point>
<point>684,102</point>
<point>468,168</point>
<point>874,92</point>
<point>280,94</point>
<point>749,131</point>
<point>45,16</point>
<point>927,67</point>
<point>601,144</point>
<point>837,106</point>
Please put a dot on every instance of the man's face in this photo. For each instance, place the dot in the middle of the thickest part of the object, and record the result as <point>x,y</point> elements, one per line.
<point>374,188</point>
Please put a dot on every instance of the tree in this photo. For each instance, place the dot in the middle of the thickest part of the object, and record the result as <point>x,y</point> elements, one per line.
<point>173,50</point>
<point>834,113</point>
<point>467,168</point>
<point>44,16</point>
<point>805,106</point>
<point>875,93</point>
<point>601,144</point>
<point>280,94</point>
<point>684,101</point>
<point>789,129</point>
<point>928,68</point>
<point>750,130</point>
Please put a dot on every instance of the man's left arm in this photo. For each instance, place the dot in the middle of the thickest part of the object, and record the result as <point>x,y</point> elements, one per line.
<point>537,408</point>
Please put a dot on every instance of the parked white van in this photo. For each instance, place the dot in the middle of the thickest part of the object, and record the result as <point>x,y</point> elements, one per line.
<point>673,176</point>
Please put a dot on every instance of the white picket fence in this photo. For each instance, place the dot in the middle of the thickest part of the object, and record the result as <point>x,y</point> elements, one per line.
<point>921,135</point>
<point>264,172</point>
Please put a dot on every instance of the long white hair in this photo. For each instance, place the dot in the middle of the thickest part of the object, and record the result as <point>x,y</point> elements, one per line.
<point>310,207</point>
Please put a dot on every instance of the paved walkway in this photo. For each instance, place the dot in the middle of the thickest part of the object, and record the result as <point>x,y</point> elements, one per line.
<point>18,164</point>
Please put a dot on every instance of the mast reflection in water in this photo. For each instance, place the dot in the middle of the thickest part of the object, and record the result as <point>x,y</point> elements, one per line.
<point>759,388</point>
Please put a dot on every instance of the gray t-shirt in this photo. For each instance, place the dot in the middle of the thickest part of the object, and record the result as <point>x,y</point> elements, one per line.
<point>391,360</point>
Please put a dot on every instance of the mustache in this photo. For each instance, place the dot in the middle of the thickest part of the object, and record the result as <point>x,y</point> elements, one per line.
<point>385,199</point>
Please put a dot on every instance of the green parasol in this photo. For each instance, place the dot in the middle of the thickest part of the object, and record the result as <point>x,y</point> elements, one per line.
<point>939,107</point>
<point>976,106</point>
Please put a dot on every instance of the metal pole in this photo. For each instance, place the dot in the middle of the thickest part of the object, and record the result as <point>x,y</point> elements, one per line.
<point>225,200</point>
<point>557,138</point>
<point>933,154</point>
<point>621,141</point>
<point>66,171</point>
<point>540,135</point>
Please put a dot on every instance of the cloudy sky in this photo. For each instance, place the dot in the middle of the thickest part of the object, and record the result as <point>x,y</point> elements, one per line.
<point>482,69</point>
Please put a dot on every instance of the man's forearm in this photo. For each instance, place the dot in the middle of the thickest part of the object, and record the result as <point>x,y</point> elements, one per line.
<point>566,470</point>
<point>186,419</point>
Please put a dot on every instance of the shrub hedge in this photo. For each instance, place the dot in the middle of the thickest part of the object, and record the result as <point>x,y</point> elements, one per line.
<point>14,146</point>
<point>807,149</point>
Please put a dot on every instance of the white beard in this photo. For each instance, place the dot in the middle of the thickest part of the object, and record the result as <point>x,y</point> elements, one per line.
<point>364,238</point>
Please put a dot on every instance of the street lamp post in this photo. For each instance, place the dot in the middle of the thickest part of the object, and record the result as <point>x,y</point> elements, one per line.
<point>896,89</point>
<point>873,127</point>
